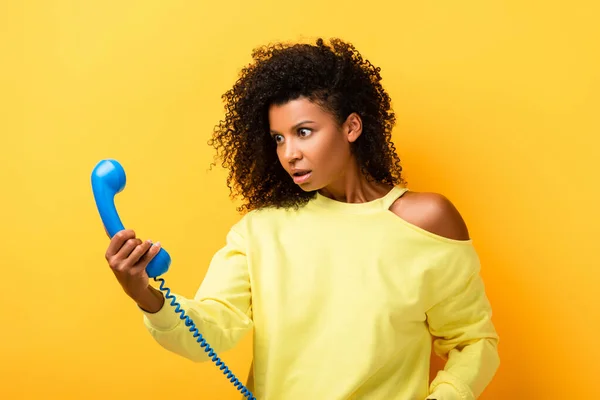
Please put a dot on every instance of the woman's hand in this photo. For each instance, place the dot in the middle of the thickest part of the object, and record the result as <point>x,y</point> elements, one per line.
<point>128,258</point>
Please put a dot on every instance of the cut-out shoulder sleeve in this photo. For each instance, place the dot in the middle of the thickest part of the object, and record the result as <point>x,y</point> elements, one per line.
<point>432,212</point>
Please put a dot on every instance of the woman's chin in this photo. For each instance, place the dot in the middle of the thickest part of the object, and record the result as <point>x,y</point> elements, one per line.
<point>308,186</point>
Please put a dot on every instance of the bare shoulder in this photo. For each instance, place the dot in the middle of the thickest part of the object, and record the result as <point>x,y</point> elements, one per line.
<point>432,212</point>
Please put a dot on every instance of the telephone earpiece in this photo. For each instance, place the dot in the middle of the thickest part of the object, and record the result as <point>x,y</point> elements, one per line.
<point>108,179</point>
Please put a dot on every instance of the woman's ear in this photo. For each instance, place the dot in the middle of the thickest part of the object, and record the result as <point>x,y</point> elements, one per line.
<point>352,127</point>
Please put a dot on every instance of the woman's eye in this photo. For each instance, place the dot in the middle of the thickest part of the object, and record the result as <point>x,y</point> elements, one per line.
<point>278,138</point>
<point>304,131</point>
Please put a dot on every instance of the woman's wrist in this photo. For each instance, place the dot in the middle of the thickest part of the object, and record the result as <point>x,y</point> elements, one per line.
<point>151,301</point>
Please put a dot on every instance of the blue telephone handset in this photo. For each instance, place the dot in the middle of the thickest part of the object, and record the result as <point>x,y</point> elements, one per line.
<point>109,179</point>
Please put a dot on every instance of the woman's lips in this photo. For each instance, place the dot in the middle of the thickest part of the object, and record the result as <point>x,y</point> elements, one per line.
<point>302,177</point>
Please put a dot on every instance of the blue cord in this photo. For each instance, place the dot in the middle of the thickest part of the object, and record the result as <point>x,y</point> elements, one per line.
<point>202,341</point>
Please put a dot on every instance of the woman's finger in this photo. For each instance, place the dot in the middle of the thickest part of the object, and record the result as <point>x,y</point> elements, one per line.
<point>148,256</point>
<point>117,242</point>
<point>126,250</point>
<point>137,253</point>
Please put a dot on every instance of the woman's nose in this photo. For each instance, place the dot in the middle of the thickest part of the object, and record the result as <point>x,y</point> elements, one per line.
<point>292,152</point>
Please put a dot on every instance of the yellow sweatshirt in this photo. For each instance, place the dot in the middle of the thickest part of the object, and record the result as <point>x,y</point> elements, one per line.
<point>342,299</point>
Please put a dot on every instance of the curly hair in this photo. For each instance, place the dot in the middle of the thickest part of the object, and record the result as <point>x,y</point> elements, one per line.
<point>336,78</point>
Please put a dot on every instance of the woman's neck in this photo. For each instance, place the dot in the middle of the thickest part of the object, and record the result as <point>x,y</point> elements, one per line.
<point>354,187</point>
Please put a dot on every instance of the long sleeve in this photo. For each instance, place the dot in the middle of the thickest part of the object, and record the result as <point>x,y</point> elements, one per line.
<point>464,335</point>
<point>221,308</point>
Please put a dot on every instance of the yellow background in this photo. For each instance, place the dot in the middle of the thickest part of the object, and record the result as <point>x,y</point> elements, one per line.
<point>497,105</point>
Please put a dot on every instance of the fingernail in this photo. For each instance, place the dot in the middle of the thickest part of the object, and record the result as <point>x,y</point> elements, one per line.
<point>157,244</point>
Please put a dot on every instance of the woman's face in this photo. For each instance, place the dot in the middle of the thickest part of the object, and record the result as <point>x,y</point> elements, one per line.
<point>311,146</point>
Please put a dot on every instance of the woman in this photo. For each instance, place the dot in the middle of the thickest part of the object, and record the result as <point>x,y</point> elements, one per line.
<point>341,272</point>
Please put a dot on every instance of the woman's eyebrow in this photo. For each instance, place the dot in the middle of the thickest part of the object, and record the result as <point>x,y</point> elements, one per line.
<point>295,126</point>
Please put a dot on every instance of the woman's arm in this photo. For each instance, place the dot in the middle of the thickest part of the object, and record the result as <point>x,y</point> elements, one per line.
<point>221,308</point>
<point>465,337</point>
<point>458,311</point>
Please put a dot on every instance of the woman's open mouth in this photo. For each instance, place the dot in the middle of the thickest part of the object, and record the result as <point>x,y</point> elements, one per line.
<point>301,176</point>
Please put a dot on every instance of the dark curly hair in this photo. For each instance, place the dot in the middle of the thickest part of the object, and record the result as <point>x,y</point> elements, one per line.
<point>335,77</point>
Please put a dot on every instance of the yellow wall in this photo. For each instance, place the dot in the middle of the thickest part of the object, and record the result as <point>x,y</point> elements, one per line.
<point>497,104</point>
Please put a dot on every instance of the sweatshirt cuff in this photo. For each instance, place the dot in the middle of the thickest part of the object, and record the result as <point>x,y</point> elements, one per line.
<point>164,319</point>
<point>444,391</point>
<point>446,386</point>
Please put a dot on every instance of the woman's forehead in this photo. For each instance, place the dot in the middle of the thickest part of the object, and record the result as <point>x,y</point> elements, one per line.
<point>296,111</point>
